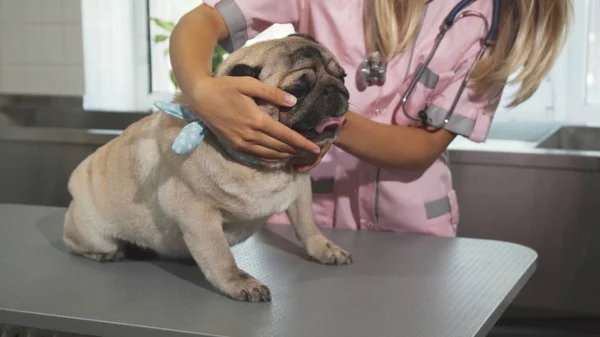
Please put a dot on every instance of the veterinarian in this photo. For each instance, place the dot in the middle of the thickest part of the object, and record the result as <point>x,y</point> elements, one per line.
<point>388,169</point>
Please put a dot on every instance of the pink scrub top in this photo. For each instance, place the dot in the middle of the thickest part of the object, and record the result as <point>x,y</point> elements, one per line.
<point>352,194</point>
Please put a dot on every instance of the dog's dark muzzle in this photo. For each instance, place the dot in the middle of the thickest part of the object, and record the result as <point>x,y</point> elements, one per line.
<point>325,113</point>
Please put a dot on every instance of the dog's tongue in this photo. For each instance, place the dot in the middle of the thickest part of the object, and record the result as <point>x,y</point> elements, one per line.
<point>331,121</point>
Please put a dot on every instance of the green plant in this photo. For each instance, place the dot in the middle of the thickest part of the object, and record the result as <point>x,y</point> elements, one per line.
<point>219,54</point>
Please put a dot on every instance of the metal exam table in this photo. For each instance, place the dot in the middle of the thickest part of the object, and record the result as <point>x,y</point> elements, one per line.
<point>399,285</point>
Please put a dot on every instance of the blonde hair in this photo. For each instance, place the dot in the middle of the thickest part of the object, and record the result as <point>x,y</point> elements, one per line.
<point>531,35</point>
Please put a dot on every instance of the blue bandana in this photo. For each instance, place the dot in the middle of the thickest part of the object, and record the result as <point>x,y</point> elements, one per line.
<point>193,134</point>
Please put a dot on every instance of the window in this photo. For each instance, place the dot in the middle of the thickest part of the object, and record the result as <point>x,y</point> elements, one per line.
<point>171,11</point>
<point>168,11</point>
<point>592,80</point>
<point>571,92</point>
<point>582,82</point>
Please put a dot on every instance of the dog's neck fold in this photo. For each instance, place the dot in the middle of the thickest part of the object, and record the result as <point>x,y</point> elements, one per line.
<point>193,134</point>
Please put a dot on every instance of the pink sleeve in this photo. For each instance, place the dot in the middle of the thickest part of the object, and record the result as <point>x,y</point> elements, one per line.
<point>472,116</point>
<point>247,18</point>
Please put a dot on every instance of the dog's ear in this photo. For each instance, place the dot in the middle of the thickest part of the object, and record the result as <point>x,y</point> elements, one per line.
<point>305,36</point>
<point>240,70</point>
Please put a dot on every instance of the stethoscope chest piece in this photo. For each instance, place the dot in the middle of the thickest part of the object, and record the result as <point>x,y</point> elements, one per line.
<point>373,70</point>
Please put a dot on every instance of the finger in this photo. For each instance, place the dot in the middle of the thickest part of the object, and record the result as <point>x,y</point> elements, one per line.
<point>255,88</point>
<point>269,142</point>
<point>279,131</point>
<point>269,161</point>
<point>302,169</point>
<point>265,153</point>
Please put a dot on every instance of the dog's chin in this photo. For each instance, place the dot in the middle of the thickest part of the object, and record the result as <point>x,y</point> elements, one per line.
<point>322,139</point>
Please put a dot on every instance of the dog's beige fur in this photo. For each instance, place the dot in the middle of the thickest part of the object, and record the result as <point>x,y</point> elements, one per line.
<point>134,189</point>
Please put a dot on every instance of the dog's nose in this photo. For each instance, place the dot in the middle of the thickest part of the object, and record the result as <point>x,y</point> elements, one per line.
<point>333,89</point>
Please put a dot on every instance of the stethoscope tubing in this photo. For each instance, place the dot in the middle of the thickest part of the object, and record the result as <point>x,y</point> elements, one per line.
<point>449,21</point>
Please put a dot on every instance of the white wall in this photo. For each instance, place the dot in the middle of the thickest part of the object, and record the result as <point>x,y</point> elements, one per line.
<point>41,49</point>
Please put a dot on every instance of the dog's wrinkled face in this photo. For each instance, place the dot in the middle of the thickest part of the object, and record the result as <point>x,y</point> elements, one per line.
<point>303,67</point>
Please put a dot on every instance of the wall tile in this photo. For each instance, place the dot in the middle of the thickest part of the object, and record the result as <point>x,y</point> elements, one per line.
<point>11,43</point>
<point>42,80</point>
<point>73,45</point>
<point>41,47</point>
<point>51,11</point>
<point>33,52</point>
<point>71,11</point>
<point>12,79</point>
<point>32,13</point>
<point>42,11</point>
<point>53,45</point>
<point>12,11</point>
<point>44,44</point>
<point>71,80</point>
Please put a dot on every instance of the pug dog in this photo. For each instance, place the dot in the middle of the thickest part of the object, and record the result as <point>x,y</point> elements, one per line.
<point>136,190</point>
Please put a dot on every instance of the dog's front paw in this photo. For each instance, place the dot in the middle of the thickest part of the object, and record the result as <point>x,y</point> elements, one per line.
<point>106,257</point>
<point>327,252</point>
<point>244,287</point>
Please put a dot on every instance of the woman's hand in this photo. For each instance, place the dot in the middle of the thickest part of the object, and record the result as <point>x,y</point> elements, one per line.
<point>226,105</point>
<point>308,161</point>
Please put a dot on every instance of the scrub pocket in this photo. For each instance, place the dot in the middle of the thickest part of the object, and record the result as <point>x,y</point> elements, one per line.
<point>435,215</point>
<point>442,215</point>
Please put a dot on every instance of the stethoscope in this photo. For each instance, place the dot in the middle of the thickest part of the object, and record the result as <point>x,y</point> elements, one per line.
<point>374,68</point>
